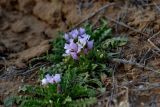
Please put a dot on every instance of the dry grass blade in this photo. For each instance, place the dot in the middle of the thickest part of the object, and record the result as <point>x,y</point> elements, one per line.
<point>91,15</point>
<point>149,40</point>
<point>125,25</point>
<point>134,63</point>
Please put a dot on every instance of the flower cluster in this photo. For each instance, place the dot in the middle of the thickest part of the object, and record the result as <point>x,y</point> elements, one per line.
<point>77,42</point>
<point>51,79</point>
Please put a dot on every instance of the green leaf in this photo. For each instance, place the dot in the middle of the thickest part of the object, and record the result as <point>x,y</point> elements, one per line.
<point>9,101</point>
<point>23,88</point>
<point>106,34</point>
<point>67,99</point>
<point>114,42</point>
<point>94,66</point>
<point>95,81</point>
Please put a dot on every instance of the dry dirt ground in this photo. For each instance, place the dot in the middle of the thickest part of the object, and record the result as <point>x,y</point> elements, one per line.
<point>27,26</point>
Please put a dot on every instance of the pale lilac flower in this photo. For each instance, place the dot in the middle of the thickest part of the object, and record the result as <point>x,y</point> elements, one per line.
<point>85,36</point>
<point>90,44</point>
<point>83,39</point>
<point>66,37</point>
<point>74,56</point>
<point>77,42</point>
<point>72,49</point>
<point>79,47</point>
<point>44,81</point>
<point>82,42</point>
<point>85,51</point>
<point>51,79</point>
<point>81,31</point>
<point>74,33</point>
<point>66,46</point>
<point>57,78</point>
<point>71,40</point>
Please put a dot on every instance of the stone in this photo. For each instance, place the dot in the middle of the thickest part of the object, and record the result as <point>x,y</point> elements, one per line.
<point>26,5</point>
<point>19,26</point>
<point>48,11</point>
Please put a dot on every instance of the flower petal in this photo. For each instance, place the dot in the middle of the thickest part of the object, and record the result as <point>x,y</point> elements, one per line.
<point>57,78</point>
<point>66,37</point>
<point>49,78</point>
<point>74,33</point>
<point>74,56</point>
<point>86,36</point>
<point>79,47</point>
<point>90,44</point>
<point>85,51</point>
<point>66,46</point>
<point>83,41</point>
<point>44,81</point>
<point>73,46</point>
<point>81,31</point>
<point>71,40</point>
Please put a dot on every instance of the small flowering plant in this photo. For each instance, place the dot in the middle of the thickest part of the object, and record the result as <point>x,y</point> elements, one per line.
<point>77,43</point>
<point>73,84</point>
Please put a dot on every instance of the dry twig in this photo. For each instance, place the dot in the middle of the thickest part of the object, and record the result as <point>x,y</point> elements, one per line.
<point>149,87</point>
<point>125,25</point>
<point>149,40</point>
<point>134,63</point>
<point>91,15</point>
